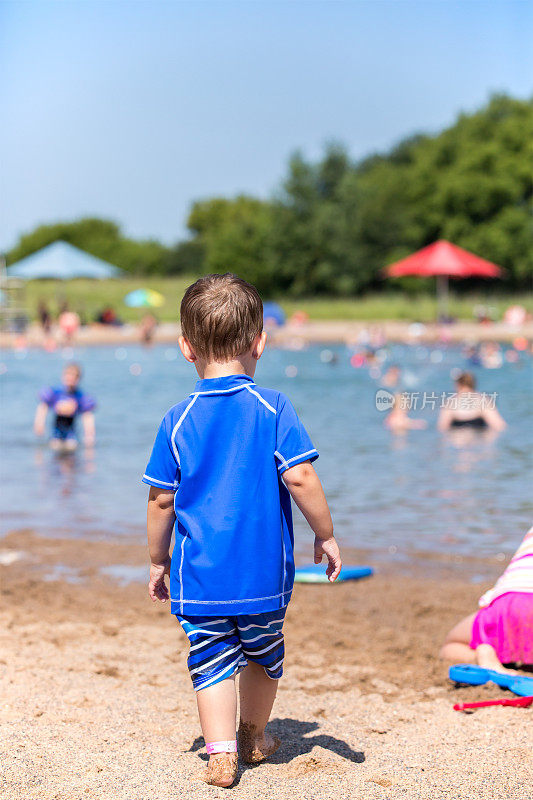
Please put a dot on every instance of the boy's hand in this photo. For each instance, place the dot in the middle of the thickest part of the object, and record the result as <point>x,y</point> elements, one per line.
<point>330,549</point>
<point>157,588</point>
<point>308,494</point>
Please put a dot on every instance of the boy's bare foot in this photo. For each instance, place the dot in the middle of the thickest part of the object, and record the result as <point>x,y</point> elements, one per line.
<point>221,769</point>
<point>254,746</point>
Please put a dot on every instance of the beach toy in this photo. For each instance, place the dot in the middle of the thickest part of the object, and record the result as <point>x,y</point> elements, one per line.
<point>477,676</point>
<point>316,573</point>
<point>517,702</point>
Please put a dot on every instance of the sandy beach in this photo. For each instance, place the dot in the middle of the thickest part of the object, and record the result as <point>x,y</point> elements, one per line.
<point>98,703</point>
<point>312,332</point>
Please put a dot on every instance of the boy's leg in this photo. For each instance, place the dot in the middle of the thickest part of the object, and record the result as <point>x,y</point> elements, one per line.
<point>257,693</point>
<point>214,658</point>
<point>263,645</point>
<point>217,709</point>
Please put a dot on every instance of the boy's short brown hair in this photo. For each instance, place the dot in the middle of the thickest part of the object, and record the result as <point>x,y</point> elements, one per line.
<point>221,315</point>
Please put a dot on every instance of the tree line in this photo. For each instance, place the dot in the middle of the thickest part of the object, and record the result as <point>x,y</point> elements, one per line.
<point>333,225</point>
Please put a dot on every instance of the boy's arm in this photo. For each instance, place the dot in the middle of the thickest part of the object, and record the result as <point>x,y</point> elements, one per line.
<point>89,430</point>
<point>160,521</point>
<point>40,419</point>
<point>307,492</point>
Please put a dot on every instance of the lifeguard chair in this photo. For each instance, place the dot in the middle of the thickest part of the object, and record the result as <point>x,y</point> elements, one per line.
<point>13,309</point>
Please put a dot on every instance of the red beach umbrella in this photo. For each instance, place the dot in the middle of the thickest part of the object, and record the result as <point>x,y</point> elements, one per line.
<point>443,261</point>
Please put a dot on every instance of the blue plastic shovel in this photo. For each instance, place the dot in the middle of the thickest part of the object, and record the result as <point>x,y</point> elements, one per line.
<point>477,676</point>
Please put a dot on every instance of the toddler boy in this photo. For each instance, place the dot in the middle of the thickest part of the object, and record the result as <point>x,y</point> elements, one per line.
<point>225,463</point>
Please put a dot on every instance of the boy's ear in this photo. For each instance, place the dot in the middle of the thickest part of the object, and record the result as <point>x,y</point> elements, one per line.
<point>259,345</point>
<point>186,349</point>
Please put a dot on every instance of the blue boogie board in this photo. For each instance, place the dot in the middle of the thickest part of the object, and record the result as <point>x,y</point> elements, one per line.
<point>316,573</point>
<point>476,676</point>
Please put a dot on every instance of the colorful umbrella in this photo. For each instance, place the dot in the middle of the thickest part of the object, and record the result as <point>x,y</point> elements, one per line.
<point>144,298</point>
<point>443,261</point>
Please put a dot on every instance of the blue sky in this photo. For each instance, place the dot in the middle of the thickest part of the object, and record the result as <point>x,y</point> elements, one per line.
<point>132,110</point>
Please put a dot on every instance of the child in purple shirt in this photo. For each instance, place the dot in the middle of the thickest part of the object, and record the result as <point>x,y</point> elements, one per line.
<point>66,402</point>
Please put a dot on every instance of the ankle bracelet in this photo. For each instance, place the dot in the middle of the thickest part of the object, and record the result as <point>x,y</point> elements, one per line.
<point>230,746</point>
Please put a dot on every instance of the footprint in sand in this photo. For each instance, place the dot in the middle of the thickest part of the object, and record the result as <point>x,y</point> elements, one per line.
<point>309,764</point>
<point>385,782</point>
<point>110,672</point>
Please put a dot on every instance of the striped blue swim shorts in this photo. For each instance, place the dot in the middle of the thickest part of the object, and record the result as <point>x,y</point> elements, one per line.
<point>222,646</point>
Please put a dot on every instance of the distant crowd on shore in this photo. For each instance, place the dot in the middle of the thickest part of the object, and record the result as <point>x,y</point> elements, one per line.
<point>67,323</point>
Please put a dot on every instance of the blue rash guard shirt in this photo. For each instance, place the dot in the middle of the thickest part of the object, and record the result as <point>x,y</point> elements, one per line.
<point>223,451</point>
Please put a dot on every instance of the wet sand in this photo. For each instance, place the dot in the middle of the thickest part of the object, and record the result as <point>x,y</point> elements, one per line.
<point>98,703</point>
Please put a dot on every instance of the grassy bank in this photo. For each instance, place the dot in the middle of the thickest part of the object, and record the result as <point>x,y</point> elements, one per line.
<point>89,297</point>
<point>397,306</point>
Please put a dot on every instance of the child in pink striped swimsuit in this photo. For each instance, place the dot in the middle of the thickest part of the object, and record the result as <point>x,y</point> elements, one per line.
<point>501,632</point>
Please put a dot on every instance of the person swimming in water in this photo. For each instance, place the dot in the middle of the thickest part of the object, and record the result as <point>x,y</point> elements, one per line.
<point>501,631</point>
<point>466,409</point>
<point>392,377</point>
<point>490,354</point>
<point>67,402</point>
<point>398,420</point>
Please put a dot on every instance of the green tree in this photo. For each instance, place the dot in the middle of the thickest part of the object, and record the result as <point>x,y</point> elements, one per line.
<point>311,219</point>
<point>335,224</point>
<point>471,184</point>
<point>235,235</point>
<point>186,257</point>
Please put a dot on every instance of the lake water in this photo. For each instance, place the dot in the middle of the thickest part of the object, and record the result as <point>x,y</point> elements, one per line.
<point>422,492</point>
